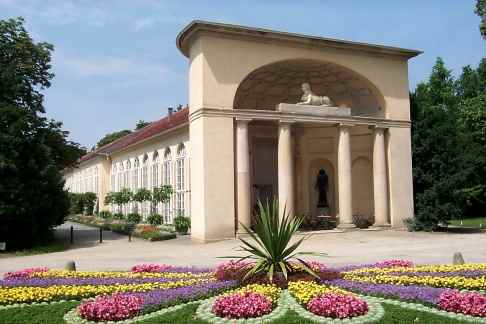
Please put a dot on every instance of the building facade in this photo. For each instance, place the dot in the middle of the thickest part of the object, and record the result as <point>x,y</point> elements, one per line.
<point>243,139</point>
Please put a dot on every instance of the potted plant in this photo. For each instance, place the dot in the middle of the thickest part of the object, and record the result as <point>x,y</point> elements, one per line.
<point>182,224</point>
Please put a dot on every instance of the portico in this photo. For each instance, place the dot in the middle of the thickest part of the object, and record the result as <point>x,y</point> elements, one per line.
<point>250,141</point>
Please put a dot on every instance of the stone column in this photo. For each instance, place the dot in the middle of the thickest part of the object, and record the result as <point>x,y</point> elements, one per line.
<point>380,183</point>
<point>285,169</point>
<point>344,178</point>
<point>243,174</point>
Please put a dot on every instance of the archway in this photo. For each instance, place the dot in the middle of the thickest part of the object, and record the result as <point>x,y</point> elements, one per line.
<point>279,82</point>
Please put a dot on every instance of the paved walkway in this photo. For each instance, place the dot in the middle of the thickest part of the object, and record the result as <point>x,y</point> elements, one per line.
<point>116,253</point>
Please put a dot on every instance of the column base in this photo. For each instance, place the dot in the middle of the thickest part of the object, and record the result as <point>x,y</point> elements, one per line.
<point>378,227</point>
<point>346,226</point>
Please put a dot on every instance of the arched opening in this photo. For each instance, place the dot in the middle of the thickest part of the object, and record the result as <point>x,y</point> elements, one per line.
<point>281,82</point>
<point>361,174</point>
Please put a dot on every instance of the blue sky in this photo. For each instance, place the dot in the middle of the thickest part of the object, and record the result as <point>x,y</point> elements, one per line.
<point>116,61</point>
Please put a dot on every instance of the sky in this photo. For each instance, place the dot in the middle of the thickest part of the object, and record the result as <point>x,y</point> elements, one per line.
<point>116,62</point>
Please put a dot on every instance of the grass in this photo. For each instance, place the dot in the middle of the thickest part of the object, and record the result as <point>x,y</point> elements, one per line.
<point>470,222</point>
<point>53,246</point>
<point>53,314</point>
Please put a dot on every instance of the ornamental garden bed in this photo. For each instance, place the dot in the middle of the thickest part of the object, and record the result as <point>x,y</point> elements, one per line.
<point>373,293</point>
<point>150,232</point>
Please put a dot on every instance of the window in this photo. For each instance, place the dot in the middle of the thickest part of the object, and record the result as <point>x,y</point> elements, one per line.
<point>120,177</point>
<point>113,178</point>
<point>144,172</point>
<point>136,166</point>
<point>166,175</point>
<point>128,166</point>
<point>96,179</point>
<point>180,179</point>
<point>155,170</point>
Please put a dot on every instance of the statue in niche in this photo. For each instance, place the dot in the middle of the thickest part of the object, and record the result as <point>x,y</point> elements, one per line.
<point>311,99</point>
<point>322,183</point>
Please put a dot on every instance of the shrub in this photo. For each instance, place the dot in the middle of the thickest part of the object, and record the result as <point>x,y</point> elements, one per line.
<point>114,307</point>
<point>154,219</point>
<point>158,236</point>
<point>119,228</point>
<point>242,305</point>
<point>89,199</point>
<point>118,216</point>
<point>134,218</point>
<point>271,248</point>
<point>337,306</point>
<point>104,214</point>
<point>182,224</point>
<point>362,221</point>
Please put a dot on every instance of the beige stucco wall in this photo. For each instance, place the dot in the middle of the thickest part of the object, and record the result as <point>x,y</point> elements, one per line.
<point>219,64</point>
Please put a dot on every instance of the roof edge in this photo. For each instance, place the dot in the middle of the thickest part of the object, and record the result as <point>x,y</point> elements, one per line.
<point>199,25</point>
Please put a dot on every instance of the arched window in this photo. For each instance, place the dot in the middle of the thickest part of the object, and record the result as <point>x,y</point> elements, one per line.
<point>113,178</point>
<point>96,179</point>
<point>155,170</point>
<point>166,180</point>
<point>136,166</point>
<point>126,175</point>
<point>180,179</point>
<point>120,177</point>
<point>145,172</point>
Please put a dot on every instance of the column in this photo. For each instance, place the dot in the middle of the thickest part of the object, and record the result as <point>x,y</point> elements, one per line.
<point>243,174</point>
<point>285,169</point>
<point>380,184</point>
<point>344,178</point>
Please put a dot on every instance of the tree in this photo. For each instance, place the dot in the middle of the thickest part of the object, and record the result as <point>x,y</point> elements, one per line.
<point>111,137</point>
<point>481,12</point>
<point>141,124</point>
<point>33,149</point>
<point>437,168</point>
<point>467,86</point>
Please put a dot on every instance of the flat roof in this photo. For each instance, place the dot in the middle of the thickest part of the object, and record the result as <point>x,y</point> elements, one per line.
<point>236,30</point>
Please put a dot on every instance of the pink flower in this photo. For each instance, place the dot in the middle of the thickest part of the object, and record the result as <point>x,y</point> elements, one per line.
<point>394,263</point>
<point>470,303</point>
<point>114,307</point>
<point>242,305</point>
<point>25,273</point>
<point>337,306</point>
<point>151,267</point>
<point>231,270</point>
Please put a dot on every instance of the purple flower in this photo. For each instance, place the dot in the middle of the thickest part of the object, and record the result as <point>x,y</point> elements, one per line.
<point>45,282</point>
<point>422,294</point>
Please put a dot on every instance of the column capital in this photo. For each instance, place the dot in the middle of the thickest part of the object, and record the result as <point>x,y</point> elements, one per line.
<point>243,120</point>
<point>286,122</point>
<point>345,125</point>
<point>378,127</point>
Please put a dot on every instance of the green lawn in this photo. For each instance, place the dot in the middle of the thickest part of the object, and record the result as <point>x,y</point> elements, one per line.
<point>470,222</point>
<point>53,314</point>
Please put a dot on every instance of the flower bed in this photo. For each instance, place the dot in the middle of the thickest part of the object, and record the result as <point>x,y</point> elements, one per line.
<point>150,290</point>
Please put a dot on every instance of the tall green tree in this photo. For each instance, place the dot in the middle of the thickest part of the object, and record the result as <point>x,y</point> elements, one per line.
<point>481,12</point>
<point>33,149</point>
<point>111,137</point>
<point>141,124</point>
<point>435,144</point>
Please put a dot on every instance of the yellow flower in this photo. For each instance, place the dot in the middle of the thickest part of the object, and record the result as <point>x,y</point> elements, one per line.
<point>304,291</point>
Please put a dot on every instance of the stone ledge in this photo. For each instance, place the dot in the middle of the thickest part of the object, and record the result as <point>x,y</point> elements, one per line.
<point>321,111</point>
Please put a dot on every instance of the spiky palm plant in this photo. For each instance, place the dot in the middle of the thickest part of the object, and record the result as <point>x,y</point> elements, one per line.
<point>271,248</point>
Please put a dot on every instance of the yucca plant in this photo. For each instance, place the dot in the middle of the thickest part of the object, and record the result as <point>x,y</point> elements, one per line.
<point>271,248</point>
